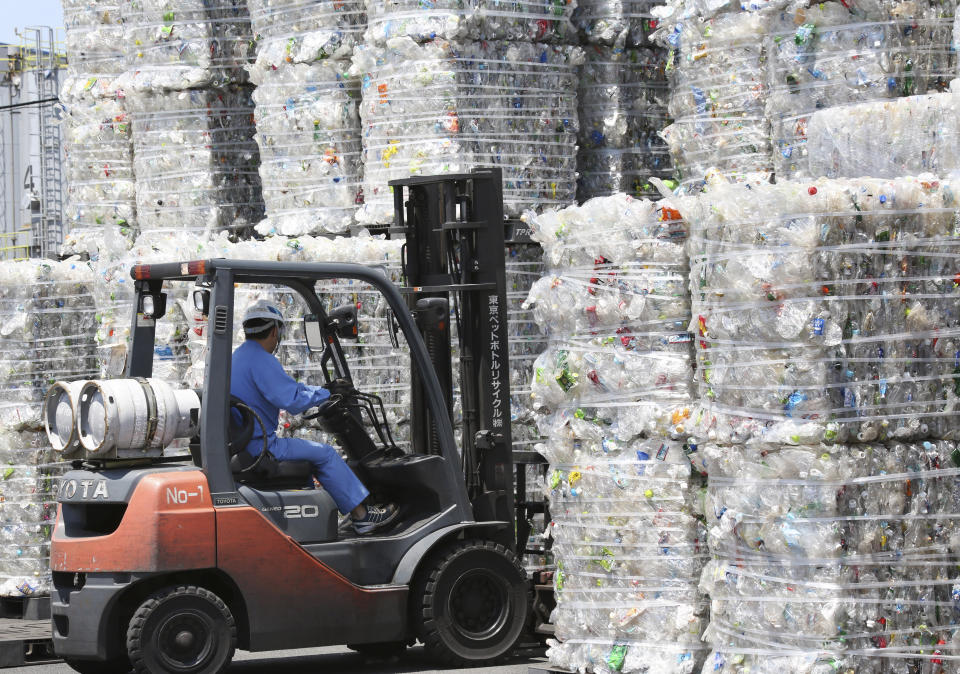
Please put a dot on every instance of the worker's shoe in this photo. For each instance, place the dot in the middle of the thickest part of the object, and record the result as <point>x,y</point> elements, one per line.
<point>376,518</point>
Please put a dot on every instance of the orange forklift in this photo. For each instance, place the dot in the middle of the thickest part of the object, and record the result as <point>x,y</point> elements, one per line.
<point>170,564</point>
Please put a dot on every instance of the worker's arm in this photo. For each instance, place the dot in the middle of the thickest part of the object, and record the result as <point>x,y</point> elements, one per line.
<point>283,391</point>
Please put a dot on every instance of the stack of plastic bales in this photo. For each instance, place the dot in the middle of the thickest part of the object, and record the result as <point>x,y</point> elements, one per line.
<point>827,339</point>
<point>452,86</point>
<point>99,154</point>
<point>749,75</point>
<point>614,392</point>
<point>717,98</point>
<point>622,101</point>
<point>195,157</point>
<point>195,160</point>
<point>46,334</point>
<point>308,127</point>
<point>832,54</point>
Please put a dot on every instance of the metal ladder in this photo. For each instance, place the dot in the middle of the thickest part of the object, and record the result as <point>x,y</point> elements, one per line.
<point>48,229</point>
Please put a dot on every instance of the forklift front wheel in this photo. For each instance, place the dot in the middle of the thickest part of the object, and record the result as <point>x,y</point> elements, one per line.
<point>471,603</point>
<point>182,629</point>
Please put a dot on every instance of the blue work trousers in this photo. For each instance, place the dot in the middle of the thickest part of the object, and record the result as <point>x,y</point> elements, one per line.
<point>330,469</point>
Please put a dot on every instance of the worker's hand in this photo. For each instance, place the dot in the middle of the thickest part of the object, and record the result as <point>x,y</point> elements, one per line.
<point>341,387</point>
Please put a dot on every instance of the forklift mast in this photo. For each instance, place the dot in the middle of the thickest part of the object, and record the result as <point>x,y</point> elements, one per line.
<point>453,259</point>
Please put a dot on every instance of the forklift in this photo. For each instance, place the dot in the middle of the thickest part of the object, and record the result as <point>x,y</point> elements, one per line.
<point>167,564</point>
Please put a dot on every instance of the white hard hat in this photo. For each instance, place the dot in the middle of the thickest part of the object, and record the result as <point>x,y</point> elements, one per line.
<point>264,310</point>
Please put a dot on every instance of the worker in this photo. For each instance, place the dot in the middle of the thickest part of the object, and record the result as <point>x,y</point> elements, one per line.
<point>260,381</point>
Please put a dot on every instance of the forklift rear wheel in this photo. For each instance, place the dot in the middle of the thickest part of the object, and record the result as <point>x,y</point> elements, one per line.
<point>115,666</point>
<point>184,629</point>
<point>471,603</point>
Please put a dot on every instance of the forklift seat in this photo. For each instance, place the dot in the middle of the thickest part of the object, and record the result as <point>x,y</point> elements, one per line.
<point>271,474</point>
<point>268,473</point>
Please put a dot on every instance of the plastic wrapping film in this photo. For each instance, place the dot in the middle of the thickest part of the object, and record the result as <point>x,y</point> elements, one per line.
<point>828,55</point>
<point>826,311</point>
<point>449,107</point>
<point>885,139</point>
<point>47,334</point>
<point>336,25</point>
<point>308,131</point>
<point>186,44</point>
<point>623,106</point>
<point>835,558</point>
<point>616,23</point>
<point>196,160</point>
<point>717,98</point>
<point>517,20</point>
<point>614,391</point>
<point>98,166</point>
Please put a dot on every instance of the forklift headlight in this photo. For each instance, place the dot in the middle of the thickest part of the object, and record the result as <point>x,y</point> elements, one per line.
<point>60,409</point>
<point>131,414</point>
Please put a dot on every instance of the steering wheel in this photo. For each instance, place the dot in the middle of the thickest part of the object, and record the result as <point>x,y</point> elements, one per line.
<point>238,441</point>
<point>325,408</point>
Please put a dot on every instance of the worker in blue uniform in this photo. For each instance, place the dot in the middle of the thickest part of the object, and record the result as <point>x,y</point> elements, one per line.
<point>259,380</point>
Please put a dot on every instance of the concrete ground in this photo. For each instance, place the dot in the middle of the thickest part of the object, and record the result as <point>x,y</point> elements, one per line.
<point>331,660</point>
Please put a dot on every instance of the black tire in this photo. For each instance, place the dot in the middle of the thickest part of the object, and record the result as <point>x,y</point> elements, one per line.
<point>383,649</point>
<point>182,629</point>
<point>115,666</point>
<point>470,603</point>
